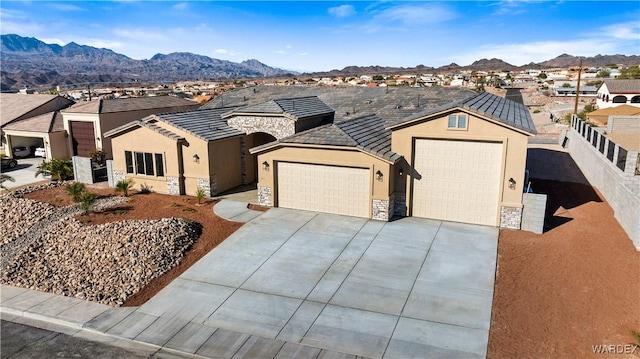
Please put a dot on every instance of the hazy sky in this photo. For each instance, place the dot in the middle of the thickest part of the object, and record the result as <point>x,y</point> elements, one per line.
<point>318,35</point>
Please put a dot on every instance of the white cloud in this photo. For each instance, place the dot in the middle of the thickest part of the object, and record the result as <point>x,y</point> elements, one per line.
<point>626,31</point>
<point>66,7</point>
<point>281,52</point>
<point>139,34</point>
<point>180,6</point>
<point>342,11</point>
<point>416,14</point>
<point>227,52</point>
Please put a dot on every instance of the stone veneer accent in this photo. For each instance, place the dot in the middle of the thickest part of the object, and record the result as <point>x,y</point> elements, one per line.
<point>243,160</point>
<point>382,210</point>
<point>173,185</point>
<point>400,205</point>
<point>278,127</point>
<point>264,196</point>
<point>209,185</point>
<point>510,217</point>
<point>118,176</point>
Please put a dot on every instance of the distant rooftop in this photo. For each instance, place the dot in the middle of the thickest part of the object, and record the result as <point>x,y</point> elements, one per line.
<point>131,104</point>
<point>349,102</point>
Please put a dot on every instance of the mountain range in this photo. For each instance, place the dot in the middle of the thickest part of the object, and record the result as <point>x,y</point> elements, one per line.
<point>27,61</point>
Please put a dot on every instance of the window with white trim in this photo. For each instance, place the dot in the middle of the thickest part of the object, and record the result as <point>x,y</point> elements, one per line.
<point>457,122</point>
<point>144,163</point>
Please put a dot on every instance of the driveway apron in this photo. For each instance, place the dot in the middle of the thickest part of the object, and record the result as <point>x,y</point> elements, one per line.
<point>408,288</point>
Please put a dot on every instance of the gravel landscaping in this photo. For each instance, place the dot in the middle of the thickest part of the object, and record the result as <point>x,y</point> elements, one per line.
<point>51,247</point>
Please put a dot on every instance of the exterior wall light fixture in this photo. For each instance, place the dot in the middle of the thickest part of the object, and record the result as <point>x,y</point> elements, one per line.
<point>379,175</point>
<point>196,158</point>
<point>512,183</point>
<point>265,165</point>
<point>401,172</point>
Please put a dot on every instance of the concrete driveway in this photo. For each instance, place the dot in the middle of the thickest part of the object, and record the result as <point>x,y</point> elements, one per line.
<point>408,288</point>
<point>24,173</point>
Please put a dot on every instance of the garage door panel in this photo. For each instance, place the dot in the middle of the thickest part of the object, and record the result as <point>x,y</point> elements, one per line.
<point>331,189</point>
<point>459,180</point>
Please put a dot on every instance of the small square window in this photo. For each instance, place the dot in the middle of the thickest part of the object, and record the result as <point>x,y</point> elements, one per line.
<point>457,122</point>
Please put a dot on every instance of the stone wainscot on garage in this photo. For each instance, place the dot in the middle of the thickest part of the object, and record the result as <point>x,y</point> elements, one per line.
<point>462,162</point>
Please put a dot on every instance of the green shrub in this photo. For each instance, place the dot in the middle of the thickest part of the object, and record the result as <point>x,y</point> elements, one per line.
<point>87,199</point>
<point>57,168</point>
<point>123,186</point>
<point>200,194</point>
<point>145,188</point>
<point>75,190</point>
<point>536,111</point>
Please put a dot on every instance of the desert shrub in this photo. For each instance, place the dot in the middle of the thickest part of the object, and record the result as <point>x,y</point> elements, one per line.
<point>57,168</point>
<point>145,188</point>
<point>123,186</point>
<point>200,194</point>
<point>87,199</point>
<point>75,190</point>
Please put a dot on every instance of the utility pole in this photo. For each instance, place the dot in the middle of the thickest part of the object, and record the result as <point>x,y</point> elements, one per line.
<point>89,90</point>
<point>575,107</point>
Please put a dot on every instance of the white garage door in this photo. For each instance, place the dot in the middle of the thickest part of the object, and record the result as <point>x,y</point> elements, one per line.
<point>330,189</point>
<point>458,180</point>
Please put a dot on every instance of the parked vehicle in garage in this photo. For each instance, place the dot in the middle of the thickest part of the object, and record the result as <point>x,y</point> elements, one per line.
<point>9,162</point>
<point>21,151</point>
<point>40,152</point>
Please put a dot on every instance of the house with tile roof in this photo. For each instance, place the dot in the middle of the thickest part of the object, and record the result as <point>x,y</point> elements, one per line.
<point>31,120</point>
<point>601,116</point>
<point>86,122</point>
<point>614,93</point>
<point>456,155</point>
<point>463,161</point>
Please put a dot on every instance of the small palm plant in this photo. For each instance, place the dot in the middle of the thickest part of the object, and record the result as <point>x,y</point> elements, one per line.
<point>75,190</point>
<point>123,186</point>
<point>87,199</point>
<point>200,194</point>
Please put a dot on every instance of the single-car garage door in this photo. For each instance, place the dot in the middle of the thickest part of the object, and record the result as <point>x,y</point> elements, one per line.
<point>83,138</point>
<point>330,189</point>
<point>457,180</point>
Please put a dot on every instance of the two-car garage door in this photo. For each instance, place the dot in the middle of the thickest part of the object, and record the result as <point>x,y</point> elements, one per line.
<point>457,180</point>
<point>331,189</point>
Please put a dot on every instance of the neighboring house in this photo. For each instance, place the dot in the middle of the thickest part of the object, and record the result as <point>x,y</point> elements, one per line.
<point>45,131</point>
<point>614,93</point>
<point>463,162</point>
<point>601,117</point>
<point>87,122</point>
<point>571,90</point>
<point>16,108</point>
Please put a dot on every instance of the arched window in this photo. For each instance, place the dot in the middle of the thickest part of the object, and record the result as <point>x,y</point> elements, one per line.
<point>635,99</point>
<point>607,98</point>
<point>620,99</point>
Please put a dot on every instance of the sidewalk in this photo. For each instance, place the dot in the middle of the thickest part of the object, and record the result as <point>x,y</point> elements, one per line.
<point>129,329</point>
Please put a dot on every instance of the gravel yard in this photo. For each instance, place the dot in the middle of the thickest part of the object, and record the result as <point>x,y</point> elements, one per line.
<point>128,249</point>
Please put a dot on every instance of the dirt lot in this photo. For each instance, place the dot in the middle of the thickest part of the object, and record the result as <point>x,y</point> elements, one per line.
<point>154,206</point>
<point>575,286</point>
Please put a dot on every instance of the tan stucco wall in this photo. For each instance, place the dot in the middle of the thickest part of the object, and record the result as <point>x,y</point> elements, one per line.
<point>325,156</point>
<point>225,163</point>
<point>57,147</point>
<point>514,148</point>
<point>146,140</point>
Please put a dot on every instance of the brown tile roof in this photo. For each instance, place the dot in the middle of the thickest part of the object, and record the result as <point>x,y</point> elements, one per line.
<point>618,110</point>
<point>46,123</point>
<point>132,104</point>
<point>622,86</point>
<point>15,106</point>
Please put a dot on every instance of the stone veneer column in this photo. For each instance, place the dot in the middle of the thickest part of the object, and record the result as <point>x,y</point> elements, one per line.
<point>118,176</point>
<point>264,196</point>
<point>381,210</point>
<point>243,160</point>
<point>173,185</point>
<point>510,217</point>
<point>400,205</point>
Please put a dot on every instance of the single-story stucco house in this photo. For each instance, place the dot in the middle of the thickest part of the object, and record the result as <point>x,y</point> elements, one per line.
<point>460,161</point>
<point>463,162</point>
